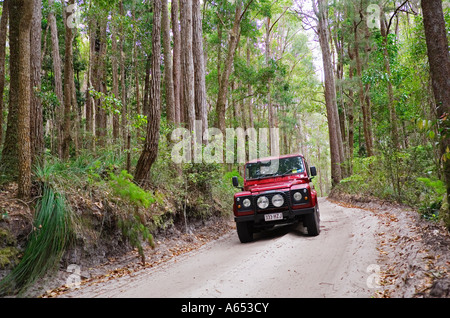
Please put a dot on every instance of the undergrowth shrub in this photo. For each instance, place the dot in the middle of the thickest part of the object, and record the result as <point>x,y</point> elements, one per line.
<point>408,176</point>
<point>197,189</point>
<point>431,197</point>
<point>123,186</point>
<point>133,224</point>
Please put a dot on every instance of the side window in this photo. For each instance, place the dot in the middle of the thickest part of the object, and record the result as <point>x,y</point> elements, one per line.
<point>306,167</point>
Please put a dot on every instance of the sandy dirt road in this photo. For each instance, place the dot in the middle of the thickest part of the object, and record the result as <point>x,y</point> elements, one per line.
<point>282,262</point>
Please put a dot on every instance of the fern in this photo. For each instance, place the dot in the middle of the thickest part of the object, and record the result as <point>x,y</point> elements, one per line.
<point>124,187</point>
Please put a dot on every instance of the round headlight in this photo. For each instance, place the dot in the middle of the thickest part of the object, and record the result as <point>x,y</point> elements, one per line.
<point>246,203</point>
<point>297,196</point>
<point>277,200</point>
<point>262,202</point>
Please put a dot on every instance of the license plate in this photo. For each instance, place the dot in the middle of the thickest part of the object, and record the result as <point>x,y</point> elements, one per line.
<point>273,216</point>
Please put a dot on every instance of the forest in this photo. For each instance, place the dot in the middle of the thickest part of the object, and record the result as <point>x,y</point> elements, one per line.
<point>93,91</point>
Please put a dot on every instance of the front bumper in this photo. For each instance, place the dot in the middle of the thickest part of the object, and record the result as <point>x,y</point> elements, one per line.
<point>289,216</point>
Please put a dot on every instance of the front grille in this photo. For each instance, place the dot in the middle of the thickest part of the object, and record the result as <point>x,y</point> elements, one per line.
<point>270,195</point>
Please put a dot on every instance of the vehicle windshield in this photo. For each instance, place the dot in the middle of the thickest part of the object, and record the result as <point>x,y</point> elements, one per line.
<point>275,167</point>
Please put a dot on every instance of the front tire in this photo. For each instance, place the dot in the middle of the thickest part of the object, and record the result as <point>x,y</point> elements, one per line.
<point>245,231</point>
<point>312,222</point>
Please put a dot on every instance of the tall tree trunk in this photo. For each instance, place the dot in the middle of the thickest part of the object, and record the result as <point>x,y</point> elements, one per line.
<point>58,77</point>
<point>3,33</point>
<point>219,48</point>
<point>350,115</point>
<point>270,108</point>
<point>100,82</point>
<point>76,111</point>
<point>90,84</point>
<point>36,114</point>
<point>168,70</point>
<point>249,90</point>
<point>439,59</point>
<point>176,61</point>
<point>226,72</point>
<point>187,65</point>
<point>146,92</point>
<point>339,44</point>
<point>387,66</point>
<point>150,151</point>
<point>25,15</point>
<point>136,68</point>
<point>68,79</point>
<point>115,80</point>
<point>336,149</point>
<point>124,124</point>
<point>10,148</point>
<point>362,100</point>
<point>199,66</point>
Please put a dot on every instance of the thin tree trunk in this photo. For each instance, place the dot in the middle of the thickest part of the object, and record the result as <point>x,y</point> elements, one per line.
<point>176,61</point>
<point>36,115</point>
<point>90,84</point>
<point>336,149</point>
<point>250,90</point>
<point>68,79</point>
<point>3,33</point>
<point>199,66</point>
<point>219,48</point>
<point>125,131</point>
<point>187,64</point>
<point>351,132</point>
<point>392,111</point>
<point>146,92</point>
<point>100,83</point>
<point>270,108</point>
<point>76,111</point>
<point>226,72</point>
<point>115,80</point>
<point>25,15</point>
<point>150,151</point>
<point>362,99</point>
<point>339,44</point>
<point>58,77</point>
<point>136,69</point>
<point>168,69</point>
<point>10,148</point>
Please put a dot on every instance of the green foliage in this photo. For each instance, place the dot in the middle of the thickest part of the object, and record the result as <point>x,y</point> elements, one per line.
<point>97,172</point>
<point>431,198</point>
<point>124,187</point>
<point>110,103</point>
<point>401,176</point>
<point>133,224</point>
<point>230,174</point>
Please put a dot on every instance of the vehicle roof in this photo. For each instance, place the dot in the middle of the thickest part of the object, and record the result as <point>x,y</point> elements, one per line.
<point>275,157</point>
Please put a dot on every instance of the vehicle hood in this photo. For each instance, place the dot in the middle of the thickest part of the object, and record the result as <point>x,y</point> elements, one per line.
<point>262,187</point>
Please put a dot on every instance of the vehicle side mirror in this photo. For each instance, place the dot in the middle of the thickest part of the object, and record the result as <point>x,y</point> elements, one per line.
<point>313,171</point>
<point>235,182</point>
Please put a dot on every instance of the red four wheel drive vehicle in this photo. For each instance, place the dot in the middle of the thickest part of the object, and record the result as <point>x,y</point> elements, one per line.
<point>277,190</point>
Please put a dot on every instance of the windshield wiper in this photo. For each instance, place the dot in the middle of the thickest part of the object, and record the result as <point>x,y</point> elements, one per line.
<point>287,172</point>
<point>263,176</point>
